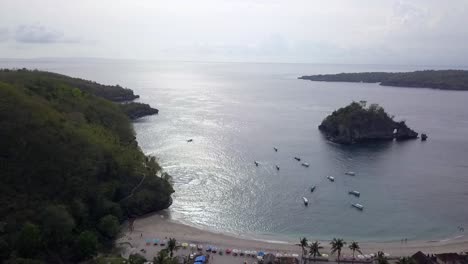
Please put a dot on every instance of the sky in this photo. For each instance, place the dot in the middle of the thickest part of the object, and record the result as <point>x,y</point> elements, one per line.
<point>416,32</point>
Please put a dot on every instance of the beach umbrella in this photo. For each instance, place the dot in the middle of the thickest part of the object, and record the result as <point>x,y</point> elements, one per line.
<point>360,256</point>
<point>386,255</point>
<point>372,255</point>
<point>200,259</point>
<point>261,253</point>
<point>324,255</point>
<point>184,245</point>
<point>193,245</point>
<point>295,255</point>
<point>253,253</point>
<point>278,255</point>
<point>367,256</point>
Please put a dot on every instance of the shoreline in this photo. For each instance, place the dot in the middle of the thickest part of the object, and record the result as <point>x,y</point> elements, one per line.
<point>159,226</point>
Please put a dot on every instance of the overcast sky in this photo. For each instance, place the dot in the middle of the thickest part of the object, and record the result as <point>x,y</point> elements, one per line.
<point>326,31</point>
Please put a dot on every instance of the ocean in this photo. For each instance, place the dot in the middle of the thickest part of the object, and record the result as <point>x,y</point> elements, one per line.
<point>237,112</point>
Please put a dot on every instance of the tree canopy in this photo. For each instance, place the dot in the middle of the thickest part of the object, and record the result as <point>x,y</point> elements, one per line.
<point>436,79</point>
<point>69,163</point>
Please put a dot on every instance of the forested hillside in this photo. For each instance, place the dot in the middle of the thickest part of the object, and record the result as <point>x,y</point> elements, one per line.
<point>69,163</point>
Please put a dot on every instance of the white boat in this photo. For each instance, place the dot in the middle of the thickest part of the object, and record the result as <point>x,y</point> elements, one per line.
<point>355,193</point>
<point>350,173</point>
<point>305,164</point>
<point>313,188</point>
<point>331,178</point>
<point>298,159</point>
<point>358,206</point>
<point>276,150</point>
<point>277,167</point>
<point>306,202</point>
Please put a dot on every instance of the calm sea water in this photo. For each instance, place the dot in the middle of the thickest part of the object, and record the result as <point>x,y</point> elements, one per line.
<point>237,112</point>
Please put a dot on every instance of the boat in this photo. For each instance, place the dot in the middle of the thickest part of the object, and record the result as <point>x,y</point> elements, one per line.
<point>256,163</point>
<point>423,137</point>
<point>306,202</point>
<point>313,188</point>
<point>358,206</point>
<point>189,140</point>
<point>276,150</point>
<point>355,193</point>
<point>350,173</point>
<point>296,158</point>
<point>277,167</point>
<point>331,178</point>
<point>305,164</point>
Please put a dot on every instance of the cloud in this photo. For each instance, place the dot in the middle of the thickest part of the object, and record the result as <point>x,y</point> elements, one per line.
<point>40,34</point>
<point>4,34</point>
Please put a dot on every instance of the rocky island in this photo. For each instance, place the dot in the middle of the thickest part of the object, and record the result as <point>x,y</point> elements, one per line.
<point>357,123</point>
<point>440,79</point>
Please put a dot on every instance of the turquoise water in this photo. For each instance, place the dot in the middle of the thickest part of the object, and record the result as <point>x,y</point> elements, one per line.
<point>237,112</point>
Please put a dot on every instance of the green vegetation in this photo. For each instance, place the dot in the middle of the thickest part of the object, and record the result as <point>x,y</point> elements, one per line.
<point>357,123</point>
<point>303,243</point>
<point>314,249</point>
<point>115,93</point>
<point>440,79</point>
<point>354,246</point>
<point>336,245</point>
<point>137,110</point>
<point>71,170</point>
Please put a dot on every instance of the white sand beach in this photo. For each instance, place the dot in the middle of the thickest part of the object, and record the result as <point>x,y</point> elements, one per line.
<point>158,226</point>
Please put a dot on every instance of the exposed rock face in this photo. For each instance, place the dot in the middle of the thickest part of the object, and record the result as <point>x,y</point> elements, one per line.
<point>404,132</point>
<point>355,123</point>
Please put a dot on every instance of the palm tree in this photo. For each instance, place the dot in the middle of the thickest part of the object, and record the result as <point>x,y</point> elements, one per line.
<point>336,245</point>
<point>354,246</point>
<point>162,257</point>
<point>381,259</point>
<point>314,249</point>
<point>172,245</point>
<point>303,243</point>
<point>405,260</point>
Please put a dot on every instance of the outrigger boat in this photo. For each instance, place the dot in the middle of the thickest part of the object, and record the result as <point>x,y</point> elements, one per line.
<point>358,206</point>
<point>355,193</point>
<point>331,178</point>
<point>306,202</point>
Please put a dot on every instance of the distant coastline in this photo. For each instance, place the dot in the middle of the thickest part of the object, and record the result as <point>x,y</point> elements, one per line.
<point>456,80</point>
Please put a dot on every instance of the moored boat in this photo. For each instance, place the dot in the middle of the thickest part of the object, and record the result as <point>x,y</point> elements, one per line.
<point>306,202</point>
<point>355,193</point>
<point>358,206</point>
<point>298,159</point>
<point>305,164</point>
<point>313,188</point>
<point>350,173</point>
<point>331,178</point>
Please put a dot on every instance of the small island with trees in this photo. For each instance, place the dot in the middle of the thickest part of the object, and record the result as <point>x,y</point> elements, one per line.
<point>358,123</point>
<point>435,79</point>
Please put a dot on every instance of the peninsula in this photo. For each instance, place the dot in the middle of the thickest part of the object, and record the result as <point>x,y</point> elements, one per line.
<point>357,123</point>
<point>71,169</point>
<point>435,79</point>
